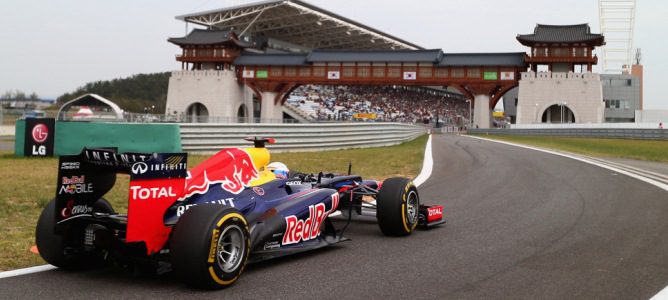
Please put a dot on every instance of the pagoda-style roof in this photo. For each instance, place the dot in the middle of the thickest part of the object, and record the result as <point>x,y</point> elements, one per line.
<point>388,56</point>
<point>515,59</point>
<point>560,34</point>
<point>435,57</point>
<point>272,59</point>
<point>208,37</point>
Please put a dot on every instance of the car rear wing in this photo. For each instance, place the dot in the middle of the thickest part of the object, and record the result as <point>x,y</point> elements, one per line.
<point>157,180</point>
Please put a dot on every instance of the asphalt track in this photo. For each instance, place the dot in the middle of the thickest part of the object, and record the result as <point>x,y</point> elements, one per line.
<point>521,225</point>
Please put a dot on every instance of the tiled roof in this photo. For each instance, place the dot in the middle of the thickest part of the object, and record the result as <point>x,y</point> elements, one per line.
<point>277,59</point>
<point>436,57</point>
<point>431,56</point>
<point>206,37</point>
<point>483,59</point>
<point>580,33</point>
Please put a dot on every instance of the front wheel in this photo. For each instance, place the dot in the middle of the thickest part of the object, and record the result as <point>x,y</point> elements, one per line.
<point>397,207</point>
<point>210,246</point>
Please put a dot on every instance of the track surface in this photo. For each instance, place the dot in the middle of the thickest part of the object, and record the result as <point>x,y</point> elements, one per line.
<point>521,225</point>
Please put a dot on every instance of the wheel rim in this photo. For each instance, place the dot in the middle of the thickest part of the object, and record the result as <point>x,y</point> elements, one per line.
<point>230,248</point>
<point>412,207</point>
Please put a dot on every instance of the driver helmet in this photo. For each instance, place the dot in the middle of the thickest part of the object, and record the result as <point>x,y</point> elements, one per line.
<point>279,169</point>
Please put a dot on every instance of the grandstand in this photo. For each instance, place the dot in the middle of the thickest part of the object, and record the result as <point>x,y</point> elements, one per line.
<point>293,26</point>
<point>379,104</point>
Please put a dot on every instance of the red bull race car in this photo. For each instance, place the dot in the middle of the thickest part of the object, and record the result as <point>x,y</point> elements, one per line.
<point>207,224</point>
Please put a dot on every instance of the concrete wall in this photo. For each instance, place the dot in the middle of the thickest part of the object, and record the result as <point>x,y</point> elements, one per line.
<point>218,91</point>
<point>581,91</point>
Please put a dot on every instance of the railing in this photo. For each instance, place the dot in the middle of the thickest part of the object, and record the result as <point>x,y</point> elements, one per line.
<point>209,138</point>
<point>575,130</point>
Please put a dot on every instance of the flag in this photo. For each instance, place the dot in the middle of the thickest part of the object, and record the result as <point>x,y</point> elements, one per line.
<point>249,74</point>
<point>333,75</point>
<point>507,75</point>
<point>410,75</point>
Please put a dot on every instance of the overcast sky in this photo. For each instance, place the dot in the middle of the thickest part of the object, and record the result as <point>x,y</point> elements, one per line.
<point>53,47</point>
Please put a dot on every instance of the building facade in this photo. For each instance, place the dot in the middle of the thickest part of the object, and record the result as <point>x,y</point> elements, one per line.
<point>560,87</point>
<point>621,95</point>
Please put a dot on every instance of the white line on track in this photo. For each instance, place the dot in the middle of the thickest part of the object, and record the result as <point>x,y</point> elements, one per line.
<point>25,271</point>
<point>427,167</point>
<point>619,168</point>
<point>652,178</point>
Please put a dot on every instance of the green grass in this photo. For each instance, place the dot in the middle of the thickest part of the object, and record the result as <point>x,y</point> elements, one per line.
<point>29,184</point>
<point>613,148</point>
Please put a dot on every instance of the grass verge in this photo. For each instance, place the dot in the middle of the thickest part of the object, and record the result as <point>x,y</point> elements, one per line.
<point>29,184</point>
<point>632,149</point>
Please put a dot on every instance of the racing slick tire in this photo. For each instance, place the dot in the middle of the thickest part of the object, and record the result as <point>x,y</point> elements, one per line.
<point>209,246</point>
<point>397,207</point>
<point>51,246</point>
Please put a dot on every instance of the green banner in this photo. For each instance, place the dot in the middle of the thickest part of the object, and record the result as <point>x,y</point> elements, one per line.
<point>490,76</point>
<point>261,74</point>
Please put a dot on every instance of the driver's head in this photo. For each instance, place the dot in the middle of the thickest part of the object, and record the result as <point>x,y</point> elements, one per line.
<point>279,169</point>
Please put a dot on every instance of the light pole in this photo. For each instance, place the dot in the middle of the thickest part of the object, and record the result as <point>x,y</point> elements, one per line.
<point>470,121</point>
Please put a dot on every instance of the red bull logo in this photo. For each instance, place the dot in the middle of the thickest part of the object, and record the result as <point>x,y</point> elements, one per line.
<point>232,168</point>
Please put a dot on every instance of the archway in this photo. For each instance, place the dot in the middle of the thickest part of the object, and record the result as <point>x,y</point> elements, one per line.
<point>558,113</point>
<point>242,114</point>
<point>197,113</point>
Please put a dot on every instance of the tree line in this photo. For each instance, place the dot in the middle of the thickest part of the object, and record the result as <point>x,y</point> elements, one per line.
<point>19,95</point>
<point>132,94</point>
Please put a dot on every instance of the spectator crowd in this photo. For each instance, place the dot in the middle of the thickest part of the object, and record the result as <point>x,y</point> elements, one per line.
<point>381,104</point>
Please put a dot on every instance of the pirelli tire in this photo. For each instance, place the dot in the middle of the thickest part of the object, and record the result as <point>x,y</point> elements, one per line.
<point>53,248</point>
<point>209,246</point>
<point>397,207</point>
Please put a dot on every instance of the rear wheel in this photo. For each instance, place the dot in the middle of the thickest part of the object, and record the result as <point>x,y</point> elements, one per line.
<point>54,247</point>
<point>397,207</point>
<point>210,246</point>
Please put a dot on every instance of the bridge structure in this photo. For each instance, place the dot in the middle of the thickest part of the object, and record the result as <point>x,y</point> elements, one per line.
<point>482,77</point>
<point>267,49</point>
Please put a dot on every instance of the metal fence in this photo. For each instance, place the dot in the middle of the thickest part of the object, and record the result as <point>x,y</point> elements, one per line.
<point>298,137</point>
<point>617,133</point>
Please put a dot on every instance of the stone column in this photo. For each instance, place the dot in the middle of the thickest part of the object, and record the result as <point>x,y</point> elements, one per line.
<point>482,116</point>
<point>271,113</point>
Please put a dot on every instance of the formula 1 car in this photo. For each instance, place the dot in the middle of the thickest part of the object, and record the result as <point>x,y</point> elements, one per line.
<point>207,224</point>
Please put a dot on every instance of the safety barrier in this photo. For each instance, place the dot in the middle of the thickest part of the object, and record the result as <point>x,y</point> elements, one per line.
<point>617,133</point>
<point>71,137</point>
<point>297,137</point>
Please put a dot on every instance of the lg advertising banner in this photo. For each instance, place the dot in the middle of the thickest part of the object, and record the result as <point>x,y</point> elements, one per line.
<point>39,137</point>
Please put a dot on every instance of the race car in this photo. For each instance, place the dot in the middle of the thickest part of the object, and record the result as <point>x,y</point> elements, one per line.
<point>207,224</point>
